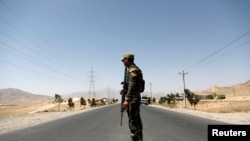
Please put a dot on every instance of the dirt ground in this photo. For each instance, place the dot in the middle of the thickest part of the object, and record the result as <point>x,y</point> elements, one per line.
<point>39,107</point>
<point>229,105</point>
<point>25,115</point>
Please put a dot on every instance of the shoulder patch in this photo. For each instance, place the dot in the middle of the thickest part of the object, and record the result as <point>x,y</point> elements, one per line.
<point>133,74</point>
<point>133,69</point>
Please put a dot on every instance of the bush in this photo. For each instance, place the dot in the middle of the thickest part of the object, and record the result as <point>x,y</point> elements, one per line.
<point>221,97</point>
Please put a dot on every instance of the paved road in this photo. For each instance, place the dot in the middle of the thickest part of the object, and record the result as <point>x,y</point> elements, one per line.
<point>103,124</point>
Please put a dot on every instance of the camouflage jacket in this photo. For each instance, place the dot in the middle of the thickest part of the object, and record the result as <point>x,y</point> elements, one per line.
<point>132,82</point>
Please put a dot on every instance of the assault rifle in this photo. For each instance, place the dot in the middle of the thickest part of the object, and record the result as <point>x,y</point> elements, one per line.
<point>124,91</point>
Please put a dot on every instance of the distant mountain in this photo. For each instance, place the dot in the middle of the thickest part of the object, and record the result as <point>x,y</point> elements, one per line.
<point>11,96</point>
<point>242,89</point>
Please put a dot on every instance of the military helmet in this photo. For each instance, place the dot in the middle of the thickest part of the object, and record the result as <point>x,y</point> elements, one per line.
<point>128,56</point>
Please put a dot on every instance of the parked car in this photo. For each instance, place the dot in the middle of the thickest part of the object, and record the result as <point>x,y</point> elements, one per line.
<point>107,100</point>
<point>144,100</point>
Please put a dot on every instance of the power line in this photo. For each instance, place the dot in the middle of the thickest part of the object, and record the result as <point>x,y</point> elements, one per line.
<point>27,56</point>
<point>217,51</point>
<point>39,34</point>
<point>27,37</point>
<point>30,49</point>
<point>241,45</point>
<point>32,60</point>
<point>33,29</point>
<point>35,72</point>
<point>220,49</point>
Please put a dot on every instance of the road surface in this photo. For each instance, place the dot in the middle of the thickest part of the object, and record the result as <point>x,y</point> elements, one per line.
<point>103,124</point>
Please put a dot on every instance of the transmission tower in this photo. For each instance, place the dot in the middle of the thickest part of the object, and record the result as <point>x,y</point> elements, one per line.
<point>92,84</point>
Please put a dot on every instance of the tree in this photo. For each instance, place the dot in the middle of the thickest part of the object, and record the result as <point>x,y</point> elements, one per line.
<point>89,101</point>
<point>82,102</point>
<point>192,98</point>
<point>58,99</point>
<point>93,102</point>
<point>71,104</point>
<point>162,100</point>
<point>170,97</point>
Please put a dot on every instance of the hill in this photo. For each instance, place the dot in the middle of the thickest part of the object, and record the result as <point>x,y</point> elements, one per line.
<point>242,89</point>
<point>11,96</point>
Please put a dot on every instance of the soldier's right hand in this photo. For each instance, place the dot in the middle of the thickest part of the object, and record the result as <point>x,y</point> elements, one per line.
<point>125,105</point>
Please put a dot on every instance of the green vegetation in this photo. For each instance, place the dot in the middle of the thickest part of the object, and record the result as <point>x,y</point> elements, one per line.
<point>71,104</point>
<point>83,102</point>
<point>193,99</point>
<point>170,98</point>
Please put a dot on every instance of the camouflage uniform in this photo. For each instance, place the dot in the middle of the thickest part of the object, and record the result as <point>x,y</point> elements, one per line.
<point>134,98</point>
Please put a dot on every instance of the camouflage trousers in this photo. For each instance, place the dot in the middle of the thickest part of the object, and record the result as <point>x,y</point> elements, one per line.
<point>135,123</point>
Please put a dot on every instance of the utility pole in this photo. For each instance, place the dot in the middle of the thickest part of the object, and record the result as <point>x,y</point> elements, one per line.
<point>92,83</point>
<point>183,77</point>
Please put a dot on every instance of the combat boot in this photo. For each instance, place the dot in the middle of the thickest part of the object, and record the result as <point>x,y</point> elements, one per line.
<point>136,138</point>
<point>140,139</point>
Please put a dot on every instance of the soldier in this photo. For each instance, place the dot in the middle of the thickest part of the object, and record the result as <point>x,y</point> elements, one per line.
<point>132,97</point>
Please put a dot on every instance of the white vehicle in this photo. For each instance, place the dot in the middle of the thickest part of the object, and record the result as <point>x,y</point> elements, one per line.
<point>144,100</point>
<point>107,100</point>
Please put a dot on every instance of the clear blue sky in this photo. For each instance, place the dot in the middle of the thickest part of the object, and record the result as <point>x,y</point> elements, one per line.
<point>49,46</point>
